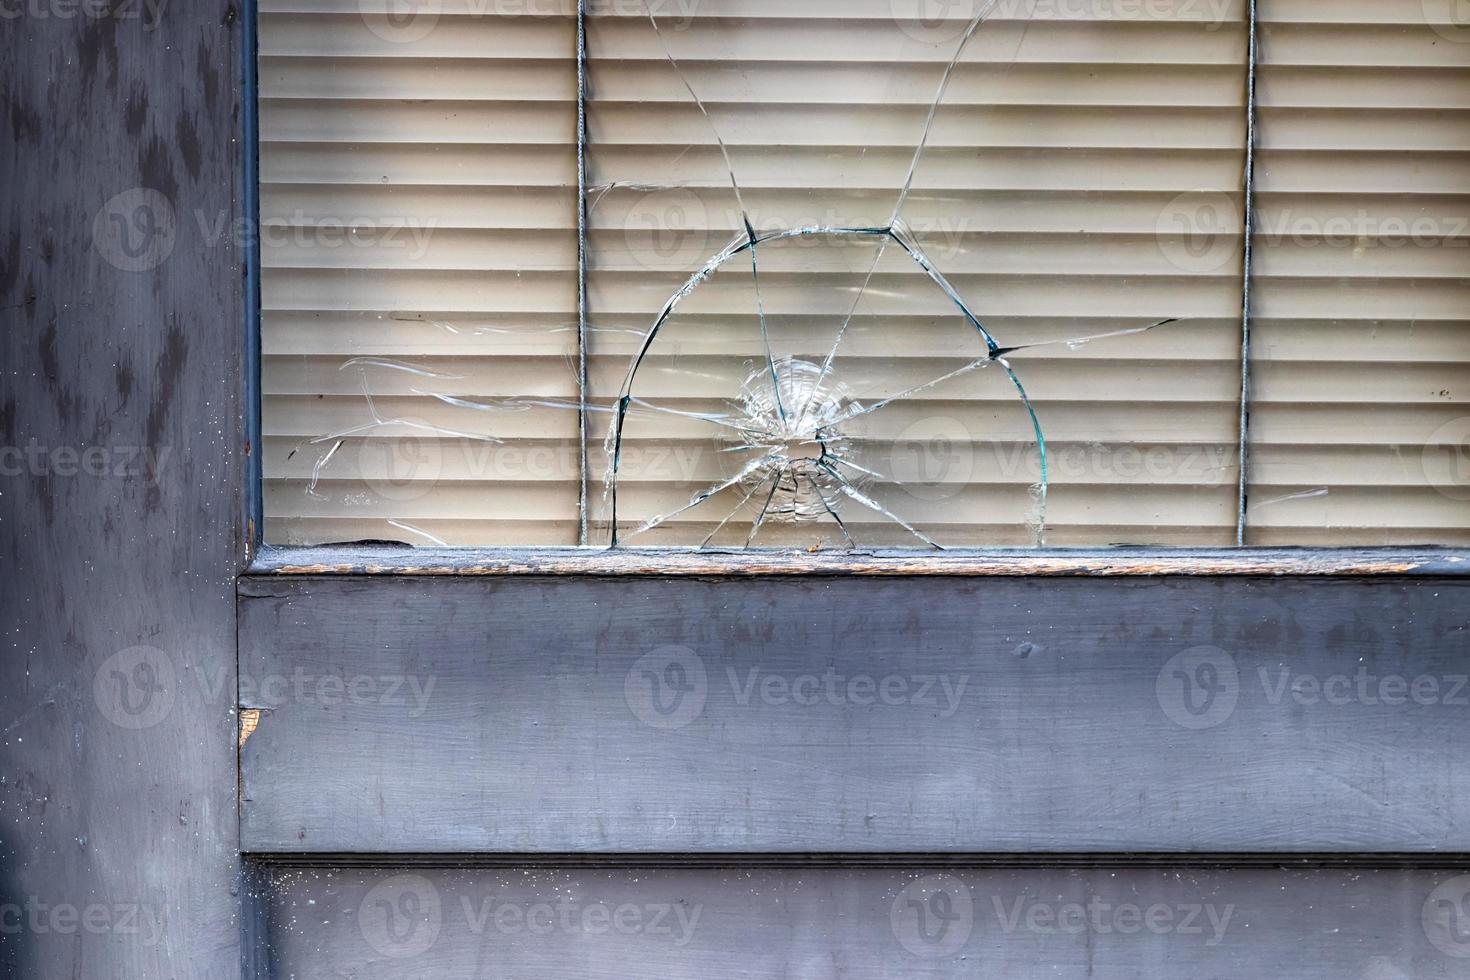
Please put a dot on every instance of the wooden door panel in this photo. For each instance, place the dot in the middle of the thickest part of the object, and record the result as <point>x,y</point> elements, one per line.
<point>876,921</point>
<point>830,715</point>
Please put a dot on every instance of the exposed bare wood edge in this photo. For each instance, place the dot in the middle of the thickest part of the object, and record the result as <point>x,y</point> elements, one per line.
<point>1223,860</point>
<point>389,560</point>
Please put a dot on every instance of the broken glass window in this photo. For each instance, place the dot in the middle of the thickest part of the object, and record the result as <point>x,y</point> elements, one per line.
<point>792,349</point>
<point>801,365</point>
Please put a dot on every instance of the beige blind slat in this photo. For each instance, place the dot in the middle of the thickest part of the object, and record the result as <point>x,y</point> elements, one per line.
<point>448,148</point>
<point>1083,175</point>
<point>1359,419</point>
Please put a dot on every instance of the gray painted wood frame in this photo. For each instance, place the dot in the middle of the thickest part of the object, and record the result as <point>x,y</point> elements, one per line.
<point>843,715</point>
<point>1026,923</point>
<point>124,303</point>
<point>122,348</point>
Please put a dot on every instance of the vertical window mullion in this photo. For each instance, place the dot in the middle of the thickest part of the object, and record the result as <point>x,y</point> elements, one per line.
<point>583,503</point>
<point>1248,219</point>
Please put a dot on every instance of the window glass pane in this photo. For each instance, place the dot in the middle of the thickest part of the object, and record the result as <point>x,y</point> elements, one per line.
<point>1053,163</point>
<point>419,244</point>
<point>1360,432</point>
<point>884,273</point>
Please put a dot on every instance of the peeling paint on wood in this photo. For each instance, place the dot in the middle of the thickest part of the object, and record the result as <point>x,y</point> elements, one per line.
<point>249,721</point>
<point>378,560</point>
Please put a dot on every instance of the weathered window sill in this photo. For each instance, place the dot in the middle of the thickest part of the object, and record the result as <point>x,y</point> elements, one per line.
<point>389,559</point>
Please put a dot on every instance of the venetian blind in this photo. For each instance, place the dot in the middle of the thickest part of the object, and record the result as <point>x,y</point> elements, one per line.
<point>1083,176</point>
<point>1359,421</point>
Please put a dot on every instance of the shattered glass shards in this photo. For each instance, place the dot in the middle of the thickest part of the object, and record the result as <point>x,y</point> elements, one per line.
<point>831,388</point>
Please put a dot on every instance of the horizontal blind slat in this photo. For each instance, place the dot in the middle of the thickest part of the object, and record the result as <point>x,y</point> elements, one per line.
<point>1083,176</point>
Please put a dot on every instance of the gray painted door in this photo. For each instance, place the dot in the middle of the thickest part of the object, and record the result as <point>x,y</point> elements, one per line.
<point>605,776</point>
